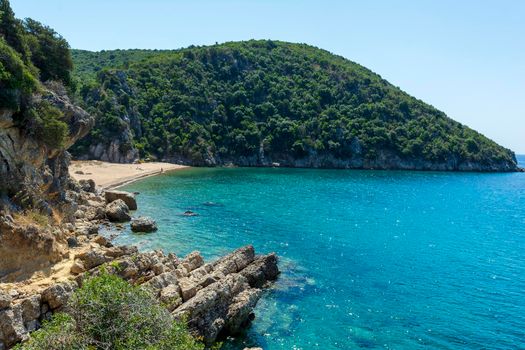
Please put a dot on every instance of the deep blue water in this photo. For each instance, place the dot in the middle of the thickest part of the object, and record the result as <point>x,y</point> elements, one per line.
<point>370,259</point>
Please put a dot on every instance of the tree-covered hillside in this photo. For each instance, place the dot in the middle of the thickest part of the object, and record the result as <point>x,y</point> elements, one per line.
<point>265,102</point>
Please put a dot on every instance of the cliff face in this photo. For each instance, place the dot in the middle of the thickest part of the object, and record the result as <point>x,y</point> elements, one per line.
<point>30,168</point>
<point>385,160</point>
<point>35,176</point>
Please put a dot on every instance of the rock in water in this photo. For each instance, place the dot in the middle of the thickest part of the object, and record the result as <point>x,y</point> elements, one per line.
<point>127,197</point>
<point>143,224</point>
<point>118,211</point>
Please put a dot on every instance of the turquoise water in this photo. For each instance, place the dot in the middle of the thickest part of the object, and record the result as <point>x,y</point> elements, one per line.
<point>370,259</point>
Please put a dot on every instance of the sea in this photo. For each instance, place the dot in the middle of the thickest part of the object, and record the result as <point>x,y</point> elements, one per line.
<point>369,259</point>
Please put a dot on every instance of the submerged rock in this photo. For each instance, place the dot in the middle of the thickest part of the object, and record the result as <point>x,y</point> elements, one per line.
<point>127,197</point>
<point>143,224</point>
<point>190,213</point>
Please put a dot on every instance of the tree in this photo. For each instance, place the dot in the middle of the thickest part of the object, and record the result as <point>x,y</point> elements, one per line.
<point>49,52</point>
<point>12,31</point>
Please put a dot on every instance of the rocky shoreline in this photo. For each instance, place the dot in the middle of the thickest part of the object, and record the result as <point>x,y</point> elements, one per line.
<point>216,299</point>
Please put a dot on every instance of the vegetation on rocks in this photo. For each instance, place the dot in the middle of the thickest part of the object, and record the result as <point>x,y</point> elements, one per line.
<point>30,54</point>
<point>109,313</point>
<point>259,101</point>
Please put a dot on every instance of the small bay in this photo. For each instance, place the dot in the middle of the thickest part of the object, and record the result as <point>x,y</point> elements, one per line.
<point>369,259</point>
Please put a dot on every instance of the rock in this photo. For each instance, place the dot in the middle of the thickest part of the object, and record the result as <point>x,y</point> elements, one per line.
<point>143,224</point>
<point>253,348</point>
<point>95,213</point>
<point>77,267</point>
<point>162,281</point>
<point>88,185</point>
<point>192,261</point>
<point>72,242</point>
<point>127,197</point>
<point>188,288</point>
<point>5,300</point>
<point>208,309</point>
<point>118,211</point>
<point>79,172</point>
<point>190,213</point>
<point>12,328</point>
<point>170,297</point>
<point>57,295</point>
<point>31,308</point>
<point>102,241</point>
<point>240,311</point>
<point>263,269</point>
<point>92,258</point>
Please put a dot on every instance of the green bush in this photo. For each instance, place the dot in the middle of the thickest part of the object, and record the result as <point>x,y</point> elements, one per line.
<point>16,79</point>
<point>49,126</point>
<point>108,313</point>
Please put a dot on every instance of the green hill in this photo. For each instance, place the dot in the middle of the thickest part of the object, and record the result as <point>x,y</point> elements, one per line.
<point>258,103</point>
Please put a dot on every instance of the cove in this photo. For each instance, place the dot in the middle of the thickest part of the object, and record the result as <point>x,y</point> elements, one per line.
<point>369,259</point>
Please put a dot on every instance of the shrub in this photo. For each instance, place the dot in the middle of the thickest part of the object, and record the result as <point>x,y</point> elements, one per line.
<point>49,128</point>
<point>109,313</point>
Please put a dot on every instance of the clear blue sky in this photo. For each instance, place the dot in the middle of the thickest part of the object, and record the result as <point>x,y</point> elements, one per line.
<point>465,57</point>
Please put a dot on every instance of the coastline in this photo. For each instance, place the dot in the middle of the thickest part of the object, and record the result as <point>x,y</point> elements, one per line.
<point>113,175</point>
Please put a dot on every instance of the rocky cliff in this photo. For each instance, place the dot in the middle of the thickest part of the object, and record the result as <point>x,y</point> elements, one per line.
<point>36,184</point>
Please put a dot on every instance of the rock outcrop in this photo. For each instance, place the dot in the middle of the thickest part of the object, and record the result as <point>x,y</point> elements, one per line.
<point>216,298</point>
<point>118,211</point>
<point>127,197</point>
<point>143,224</point>
<point>35,175</point>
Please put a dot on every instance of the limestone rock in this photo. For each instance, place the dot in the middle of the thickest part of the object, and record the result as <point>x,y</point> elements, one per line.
<point>12,325</point>
<point>31,308</point>
<point>127,197</point>
<point>143,224</point>
<point>88,185</point>
<point>263,269</point>
<point>77,267</point>
<point>5,300</point>
<point>93,258</point>
<point>57,295</point>
<point>170,297</point>
<point>118,211</point>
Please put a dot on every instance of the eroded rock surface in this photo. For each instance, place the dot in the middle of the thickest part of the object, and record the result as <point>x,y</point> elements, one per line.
<point>216,298</point>
<point>143,224</point>
<point>127,197</point>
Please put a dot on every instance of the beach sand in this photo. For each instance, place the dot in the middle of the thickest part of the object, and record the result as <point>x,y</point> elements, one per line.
<point>112,175</point>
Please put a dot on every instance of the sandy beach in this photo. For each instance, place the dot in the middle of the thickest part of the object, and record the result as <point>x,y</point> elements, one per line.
<point>112,175</point>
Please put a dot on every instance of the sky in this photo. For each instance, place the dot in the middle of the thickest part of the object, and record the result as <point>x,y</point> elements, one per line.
<point>466,58</point>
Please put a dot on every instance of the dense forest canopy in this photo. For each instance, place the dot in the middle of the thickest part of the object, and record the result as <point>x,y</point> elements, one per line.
<point>257,101</point>
<point>32,54</point>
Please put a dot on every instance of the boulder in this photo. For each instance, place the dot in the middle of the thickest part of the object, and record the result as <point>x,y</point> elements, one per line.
<point>77,267</point>
<point>31,308</point>
<point>88,185</point>
<point>92,258</point>
<point>262,269</point>
<point>118,211</point>
<point>143,224</point>
<point>57,295</point>
<point>5,300</point>
<point>127,197</point>
<point>12,328</point>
